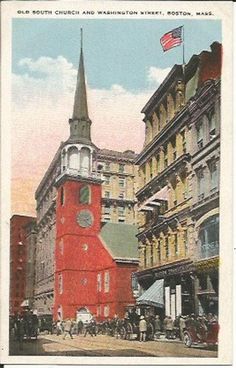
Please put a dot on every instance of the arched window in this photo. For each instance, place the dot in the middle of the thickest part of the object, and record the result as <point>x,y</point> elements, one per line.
<point>85,195</point>
<point>85,160</point>
<point>73,158</point>
<point>209,237</point>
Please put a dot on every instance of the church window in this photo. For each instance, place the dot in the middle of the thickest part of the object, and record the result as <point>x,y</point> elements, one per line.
<point>85,161</point>
<point>62,196</point>
<point>107,194</point>
<point>99,282</point>
<point>73,158</point>
<point>60,283</point>
<point>106,282</point>
<point>106,310</point>
<point>84,195</point>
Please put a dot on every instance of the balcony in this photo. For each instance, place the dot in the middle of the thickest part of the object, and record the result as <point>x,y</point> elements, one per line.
<point>209,250</point>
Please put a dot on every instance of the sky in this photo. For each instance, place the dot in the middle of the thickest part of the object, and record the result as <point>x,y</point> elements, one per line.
<point>124,65</point>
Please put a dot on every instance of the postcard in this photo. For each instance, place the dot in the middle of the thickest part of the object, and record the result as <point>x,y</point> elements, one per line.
<point>116,182</point>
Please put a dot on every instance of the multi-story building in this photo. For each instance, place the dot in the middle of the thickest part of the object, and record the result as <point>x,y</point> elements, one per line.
<point>118,188</point>
<point>178,197</point>
<point>66,270</point>
<point>18,261</point>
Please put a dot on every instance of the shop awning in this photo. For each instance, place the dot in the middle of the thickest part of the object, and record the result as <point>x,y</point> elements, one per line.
<point>155,200</point>
<point>25,303</point>
<point>153,296</point>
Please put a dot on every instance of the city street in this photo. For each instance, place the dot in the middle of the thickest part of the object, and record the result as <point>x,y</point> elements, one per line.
<point>103,345</point>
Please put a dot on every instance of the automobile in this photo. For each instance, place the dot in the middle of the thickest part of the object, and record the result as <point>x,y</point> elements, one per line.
<point>206,336</point>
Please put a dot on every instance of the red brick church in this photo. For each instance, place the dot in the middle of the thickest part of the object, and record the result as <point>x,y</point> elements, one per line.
<point>94,261</point>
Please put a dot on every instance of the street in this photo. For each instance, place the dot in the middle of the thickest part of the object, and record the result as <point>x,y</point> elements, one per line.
<point>103,345</point>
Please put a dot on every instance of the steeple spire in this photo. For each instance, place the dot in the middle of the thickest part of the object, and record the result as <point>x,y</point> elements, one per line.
<point>80,122</point>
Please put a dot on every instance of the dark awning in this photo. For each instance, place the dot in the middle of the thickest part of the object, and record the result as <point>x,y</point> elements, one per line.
<point>153,296</point>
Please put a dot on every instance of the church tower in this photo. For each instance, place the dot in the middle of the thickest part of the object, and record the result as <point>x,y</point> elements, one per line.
<point>78,212</point>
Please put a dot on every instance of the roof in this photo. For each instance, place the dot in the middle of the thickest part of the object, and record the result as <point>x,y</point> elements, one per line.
<point>128,154</point>
<point>120,240</point>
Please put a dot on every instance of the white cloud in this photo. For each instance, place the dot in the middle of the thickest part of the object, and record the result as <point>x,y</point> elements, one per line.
<point>42,102</point>
<point>157,75</point>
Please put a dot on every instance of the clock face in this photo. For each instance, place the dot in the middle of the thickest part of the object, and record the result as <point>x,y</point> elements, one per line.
<point>84,218</point>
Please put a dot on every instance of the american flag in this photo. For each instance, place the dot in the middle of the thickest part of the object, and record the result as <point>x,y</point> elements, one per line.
<point>171,39</point>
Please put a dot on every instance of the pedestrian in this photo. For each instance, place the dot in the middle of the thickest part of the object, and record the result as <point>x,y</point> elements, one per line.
<point>58,327</point>
<point>20,330</point>
<point>157,324</point>
<point>169,328</point>
<point>80,327</point>
<point>182,326</point>
<point>68,328</point>
<point>142,329</point>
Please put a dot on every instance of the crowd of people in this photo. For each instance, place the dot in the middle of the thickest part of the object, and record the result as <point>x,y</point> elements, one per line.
<point>143,327</point>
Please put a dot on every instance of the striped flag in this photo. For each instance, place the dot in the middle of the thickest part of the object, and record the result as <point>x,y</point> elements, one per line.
<point>172,39</point>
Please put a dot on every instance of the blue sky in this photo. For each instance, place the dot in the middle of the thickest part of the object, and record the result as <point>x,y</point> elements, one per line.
<point>116,51</point>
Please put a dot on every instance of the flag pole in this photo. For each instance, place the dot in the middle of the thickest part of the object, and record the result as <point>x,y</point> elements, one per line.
<point>183,47</point>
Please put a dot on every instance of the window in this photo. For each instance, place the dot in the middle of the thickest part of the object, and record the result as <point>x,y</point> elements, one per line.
<point>159,250</point>
<point>167,247</point>
<point>85,160</point>
<point>185,242</point>
<point>84,195</point>
<point>107,194</point>
<point>107,210</point>
<point>98,310</point>
<point>158,163</point>
<point>106,179</point>
<point>201,184</point>
<point>183,138</point>
<point>209,237</point>
<point>176,244</point>
<point>151,169</point>
<point>151,255</point>
<point>107,166</point>
<point>60,283</point>
<point>99,282</point>
<point>121,182</point>
<point>106,310</point>
<point>200,136</point>
<point>106,282</point>
<point>165,156</point>
<point>212,125</point>
<point>121,168</point>
<point>214,175</point>
<point>62,196</point>
<point>122,195</point>
<point>121,210</point>
<point>61,246</point>
<point>173,143</point>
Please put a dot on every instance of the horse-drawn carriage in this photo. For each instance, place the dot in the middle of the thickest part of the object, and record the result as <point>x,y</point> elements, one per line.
<point>129,328</point>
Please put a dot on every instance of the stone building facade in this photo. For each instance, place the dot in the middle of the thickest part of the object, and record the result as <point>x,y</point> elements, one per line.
<point>178,196</point>
<point>18,261</point>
